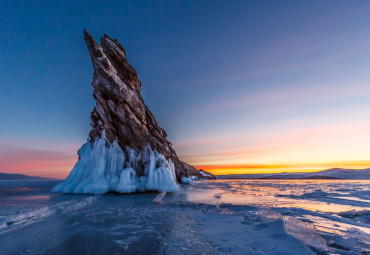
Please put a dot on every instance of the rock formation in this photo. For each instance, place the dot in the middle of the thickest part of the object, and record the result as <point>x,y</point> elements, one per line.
<point>120,110</point>
<point>125,139</point>
<point>206,175</point>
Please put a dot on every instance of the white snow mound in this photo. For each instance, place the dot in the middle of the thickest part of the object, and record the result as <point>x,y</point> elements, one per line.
<point>104,167</point>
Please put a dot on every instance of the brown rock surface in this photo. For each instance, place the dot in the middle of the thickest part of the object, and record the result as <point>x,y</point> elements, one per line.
<point>206,175</point>
<point>120,110</point>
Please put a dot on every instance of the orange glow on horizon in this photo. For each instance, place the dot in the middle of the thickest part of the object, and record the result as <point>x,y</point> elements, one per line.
<point>269,169</point>
<point>54,171</point>
<point>293,147</point>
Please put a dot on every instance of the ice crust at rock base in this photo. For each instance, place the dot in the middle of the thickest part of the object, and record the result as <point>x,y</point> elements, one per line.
<point>105,167</point>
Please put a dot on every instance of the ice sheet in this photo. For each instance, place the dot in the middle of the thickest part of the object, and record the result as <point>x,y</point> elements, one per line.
<point>208,217</point>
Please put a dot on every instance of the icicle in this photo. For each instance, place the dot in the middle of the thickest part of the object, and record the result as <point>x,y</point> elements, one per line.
<point>103,167</point>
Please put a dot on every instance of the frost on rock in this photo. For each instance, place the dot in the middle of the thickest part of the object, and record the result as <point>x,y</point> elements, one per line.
<point>104,167</point>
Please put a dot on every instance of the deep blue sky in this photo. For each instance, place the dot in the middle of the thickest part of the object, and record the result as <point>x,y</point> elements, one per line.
<point>224,78</point>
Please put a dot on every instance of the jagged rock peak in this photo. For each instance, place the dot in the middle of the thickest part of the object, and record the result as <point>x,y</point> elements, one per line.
<point>126,151</point>
<point>120,110</point>
<point>110,52</point>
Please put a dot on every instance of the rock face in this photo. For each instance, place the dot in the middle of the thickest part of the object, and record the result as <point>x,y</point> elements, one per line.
<point>126,151</point>
<point>206,175</point>
<point>120,110</point>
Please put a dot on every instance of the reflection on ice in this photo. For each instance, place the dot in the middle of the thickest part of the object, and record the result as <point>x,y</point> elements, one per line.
<point>332,206</point>
<point>307,195</point>
<point>208,217</point>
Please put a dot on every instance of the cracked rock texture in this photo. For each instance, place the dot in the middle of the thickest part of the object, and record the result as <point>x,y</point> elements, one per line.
<point>120,110</point>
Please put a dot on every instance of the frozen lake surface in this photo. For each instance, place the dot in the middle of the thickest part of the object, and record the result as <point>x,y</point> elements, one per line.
<point>208,217</point>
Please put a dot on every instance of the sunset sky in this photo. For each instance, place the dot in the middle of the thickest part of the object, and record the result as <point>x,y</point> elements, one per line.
<point>239,86</point>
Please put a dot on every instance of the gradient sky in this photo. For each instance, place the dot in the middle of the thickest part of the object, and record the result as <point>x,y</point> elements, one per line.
<point>239,86</point>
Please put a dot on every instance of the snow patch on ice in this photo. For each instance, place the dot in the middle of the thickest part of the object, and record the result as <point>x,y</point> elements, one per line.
<point>104,167</point>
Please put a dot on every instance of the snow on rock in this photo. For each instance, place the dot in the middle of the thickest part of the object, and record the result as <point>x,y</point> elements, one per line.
<point>104,167</point>
<point>206,175</point>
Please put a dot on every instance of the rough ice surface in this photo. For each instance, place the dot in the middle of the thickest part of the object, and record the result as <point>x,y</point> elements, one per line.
<point>104,167</point>
<point>25,218</point>
<point>208,217</point>
<point>303,231</point>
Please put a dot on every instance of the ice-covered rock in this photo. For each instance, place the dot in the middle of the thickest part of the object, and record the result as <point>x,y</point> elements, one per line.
<point>188,180</point>
<point>103,167</point>
<point>126,151</point>
<point>120,110</point>
<point>206,175</point>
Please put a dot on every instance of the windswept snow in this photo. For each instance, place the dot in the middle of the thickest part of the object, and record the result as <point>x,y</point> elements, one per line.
<point>104,167</point>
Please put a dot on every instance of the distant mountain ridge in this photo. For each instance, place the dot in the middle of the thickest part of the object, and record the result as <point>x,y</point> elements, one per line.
<point>5,176</point>
<point>334,173</point>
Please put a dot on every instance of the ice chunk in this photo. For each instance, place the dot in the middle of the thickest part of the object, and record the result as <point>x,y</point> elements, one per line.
<point>356,240</point>
<point>303,231</point>
<point>218,208</point>
<point>267,215</point>
<point>159,197</point>
<point>188,180</point>
<point>104,167</point>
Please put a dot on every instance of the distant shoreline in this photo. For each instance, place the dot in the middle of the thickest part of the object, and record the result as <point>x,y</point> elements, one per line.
<point>22,177</point>
<point>330,174</point>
